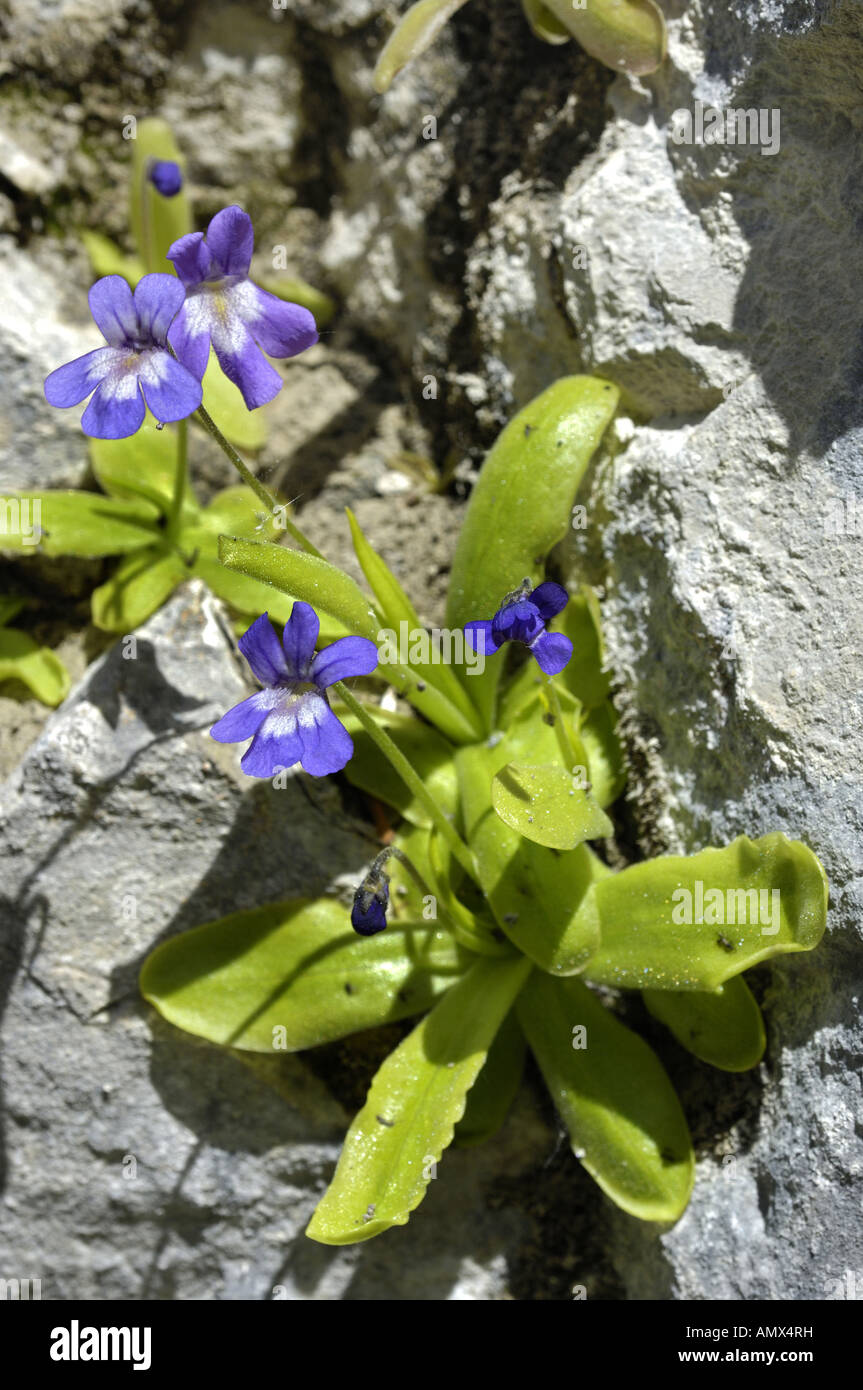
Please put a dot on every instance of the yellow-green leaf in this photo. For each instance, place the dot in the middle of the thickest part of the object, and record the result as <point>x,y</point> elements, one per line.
<point>492,1094</point>
<point>540,898</point>
<point>725,1028</point>
<point>76,523</point>
<point>415,32</point>
<point>544,24</point>
<point>625,35</point>
<point>138,587</point>
<point>144,465</point>
<point>426,750</point>
<point>614,1096</point>
<point>40,669</point>
<point>293,975</point>
<point>521,505</point>
<point>693,922</point>
<point>546,804</point>
<point>106,258</point>
<point>416,1099</point>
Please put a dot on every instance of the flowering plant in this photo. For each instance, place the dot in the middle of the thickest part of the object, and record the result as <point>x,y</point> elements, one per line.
<point>487,911</point>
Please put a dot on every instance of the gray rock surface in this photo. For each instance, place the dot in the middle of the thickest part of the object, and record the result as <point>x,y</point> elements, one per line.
<point>553,225</point>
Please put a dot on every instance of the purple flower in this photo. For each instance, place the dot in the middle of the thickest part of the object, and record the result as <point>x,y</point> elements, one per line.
<point>290,720</point>
<point>166,177</point>
<point>224,308</point>
<point>135,367</point>
<point>369,912</point>
<point>522,617</point>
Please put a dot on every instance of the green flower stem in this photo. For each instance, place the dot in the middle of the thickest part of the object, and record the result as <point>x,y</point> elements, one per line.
<point>411,779</point>
<point>462,923</point>
<point>146,248</point>
<point>262,493</point>
<point>175,511</point>
<point>552,699</point>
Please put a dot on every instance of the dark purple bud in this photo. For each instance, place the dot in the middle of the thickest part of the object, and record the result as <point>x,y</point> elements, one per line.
<point>369,912</point>
<point>166,178</point>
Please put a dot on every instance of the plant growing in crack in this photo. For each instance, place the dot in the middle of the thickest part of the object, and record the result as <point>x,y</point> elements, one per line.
<point>626,35</point>
<point>487,912</point>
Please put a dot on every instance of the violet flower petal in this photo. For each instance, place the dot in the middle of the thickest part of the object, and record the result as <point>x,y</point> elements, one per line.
<point>191,258</point>
<point>369,911</point>
<point>69,384</point>
<point>116,408</point>
<point>190,341</point>
<point>276,744</point>
<point>171,392</point>
<point>231,239</point>
<point>349,656</point>
<point>158,298</point>
<point>480,637</point>
<point>327,745</point>
<point>246,718</point>
<point>263,651</point>
<point>166,177</point>
<point>517,622</point>
<point>549,599</point>
<point>282,329</point>
<point>113,310</point>
<point>299,639</point>
<point>552,651</point>
<point>246,366</point>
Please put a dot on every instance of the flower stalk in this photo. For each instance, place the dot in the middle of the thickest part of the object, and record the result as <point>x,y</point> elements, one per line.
<point>411,779</point>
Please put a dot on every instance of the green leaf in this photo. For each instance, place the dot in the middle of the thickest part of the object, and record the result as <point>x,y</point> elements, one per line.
<point>247,596</point>
<point>305,577</point>
<point>320,584</point>
<point>521,505</point>
<point>547,805</point>
<point>492,1094</point>
<point>224,402</point>
<point>157,222</point>
<point>144,465</point>
<point>415,32</point>
<point>776,885</point>
<point>544,24</point>
<point>396,609</point>
<point>540,898</point>
<point>613,1094</point>
<point>137,588</point>
<point>426,750</point>
<point>299,968</point>
<point>299,292</point>
<point>236,511</point>
<point>725,1029</point>
<point>415,1101</point>
<point>584,676</point>
<point>106,258</point>
<point>9,609</point>
<point>625,35</point>
<point>38,667</point>
<point>76,523</point>
<point>604,753</point>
